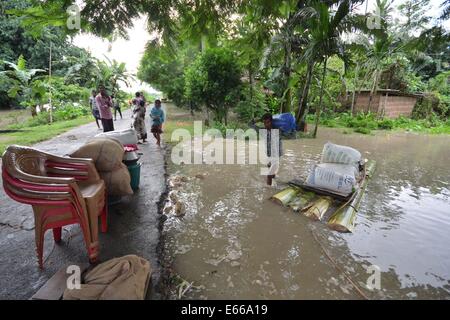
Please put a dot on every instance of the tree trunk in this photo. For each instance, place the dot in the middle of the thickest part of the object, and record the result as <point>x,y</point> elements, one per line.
<point>286,106</point>
<point>354,89</point>
<point>304,98</point>
<point>207,116</point>
<point>251,82</point>
<point>33,111</point>
<point>373,91</point>
<point>203,43</point>
<point>319,108</point>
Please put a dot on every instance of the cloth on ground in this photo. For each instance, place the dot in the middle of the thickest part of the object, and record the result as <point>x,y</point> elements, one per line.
<point>123,278</point>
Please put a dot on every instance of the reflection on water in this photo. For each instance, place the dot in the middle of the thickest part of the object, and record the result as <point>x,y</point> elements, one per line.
<point>235,243</point>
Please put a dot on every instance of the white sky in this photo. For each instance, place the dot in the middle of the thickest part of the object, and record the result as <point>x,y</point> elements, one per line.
<point>130,51</point>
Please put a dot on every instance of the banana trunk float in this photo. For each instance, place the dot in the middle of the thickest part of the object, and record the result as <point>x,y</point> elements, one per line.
<point>301,201</point>
<point>343,219</point>
<point>285,196</point>
<point>318,208</point>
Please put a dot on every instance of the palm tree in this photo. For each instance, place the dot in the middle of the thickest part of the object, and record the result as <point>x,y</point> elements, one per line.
<point>325,28</point>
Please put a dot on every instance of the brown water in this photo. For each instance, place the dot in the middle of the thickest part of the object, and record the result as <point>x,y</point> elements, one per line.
<point>234,243</point>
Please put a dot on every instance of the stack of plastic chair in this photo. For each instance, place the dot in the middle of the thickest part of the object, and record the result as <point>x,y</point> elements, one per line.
<point>62,191</point>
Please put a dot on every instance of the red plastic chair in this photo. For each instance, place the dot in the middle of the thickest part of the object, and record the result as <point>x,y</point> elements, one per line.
<point>62,191</point>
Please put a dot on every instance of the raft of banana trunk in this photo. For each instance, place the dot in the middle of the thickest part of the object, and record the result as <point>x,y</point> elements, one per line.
<point>316,204</point>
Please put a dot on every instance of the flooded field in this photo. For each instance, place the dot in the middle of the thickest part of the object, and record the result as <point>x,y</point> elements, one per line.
<point>235,243</point>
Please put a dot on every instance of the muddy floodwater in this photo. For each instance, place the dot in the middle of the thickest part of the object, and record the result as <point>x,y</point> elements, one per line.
<point>235,243</point>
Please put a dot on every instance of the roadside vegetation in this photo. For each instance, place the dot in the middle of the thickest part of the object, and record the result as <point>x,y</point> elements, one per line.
<point>229,62</point>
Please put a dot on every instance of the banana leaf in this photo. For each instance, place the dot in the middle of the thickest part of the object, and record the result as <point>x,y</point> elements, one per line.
<point>344,218</point>
<point>318,208</point>
<point>285,196</point>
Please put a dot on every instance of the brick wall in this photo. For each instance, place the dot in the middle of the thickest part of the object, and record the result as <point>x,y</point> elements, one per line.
<point>362,101</point>
<point>393,106</point>
<point>398,105</point>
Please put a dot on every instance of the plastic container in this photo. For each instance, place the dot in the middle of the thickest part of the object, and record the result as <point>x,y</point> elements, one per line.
<point>135,174</point>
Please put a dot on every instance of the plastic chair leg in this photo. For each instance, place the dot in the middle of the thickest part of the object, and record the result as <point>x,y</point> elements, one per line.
<point>57,234</point>
<point>40,247</point>
<point>104,218</point>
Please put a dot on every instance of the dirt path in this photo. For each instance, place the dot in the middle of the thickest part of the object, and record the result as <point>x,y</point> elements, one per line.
<point>133,224</point>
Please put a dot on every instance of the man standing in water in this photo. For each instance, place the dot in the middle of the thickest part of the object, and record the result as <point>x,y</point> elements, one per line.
<point>274,159</point>
<point>94,108</point>
<point>104,105</point>
<point>157,115</point>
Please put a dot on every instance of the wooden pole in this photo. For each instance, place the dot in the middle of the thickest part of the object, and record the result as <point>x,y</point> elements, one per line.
<point>49,83</point>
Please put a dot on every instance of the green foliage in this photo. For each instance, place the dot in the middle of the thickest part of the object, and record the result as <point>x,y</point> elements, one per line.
<point>213,79</point>
<point>366,123</point>
<point>252,104</point>
<point>164,70</point>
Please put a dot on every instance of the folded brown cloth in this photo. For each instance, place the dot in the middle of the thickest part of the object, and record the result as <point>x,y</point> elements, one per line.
<point>123,278</point>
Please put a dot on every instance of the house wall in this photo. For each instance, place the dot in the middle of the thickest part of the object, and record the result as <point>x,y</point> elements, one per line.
<point>393,106</point>
<point>362,101</point>
<point>399,105</point>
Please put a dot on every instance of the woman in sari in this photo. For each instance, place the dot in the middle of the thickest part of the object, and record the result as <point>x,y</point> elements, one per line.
<point>139,119</point>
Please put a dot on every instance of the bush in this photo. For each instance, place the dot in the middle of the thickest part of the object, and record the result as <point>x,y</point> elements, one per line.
<point>386,124</point>
<point>69,112</point>
<point>362,130</point>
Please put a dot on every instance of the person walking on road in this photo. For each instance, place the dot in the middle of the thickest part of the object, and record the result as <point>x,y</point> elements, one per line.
<point>157,115</point>
<point>94,108</point>
<point>104,105</point>
<point>116,106</point>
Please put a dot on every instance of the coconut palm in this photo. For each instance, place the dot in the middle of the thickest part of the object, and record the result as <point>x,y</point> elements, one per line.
<point>325,27</point>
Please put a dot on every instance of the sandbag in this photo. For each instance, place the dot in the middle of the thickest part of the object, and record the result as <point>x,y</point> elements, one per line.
<point>117,181</point>
<point>128,136</point>
<point>124,278</point>
<point>338,178</point>
<point>106,153</point>
<point>334,153</point>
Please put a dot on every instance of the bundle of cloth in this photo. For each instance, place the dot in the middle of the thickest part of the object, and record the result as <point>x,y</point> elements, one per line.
<point>107,154</point>
<point>338,171</point>
<point>123,278</point>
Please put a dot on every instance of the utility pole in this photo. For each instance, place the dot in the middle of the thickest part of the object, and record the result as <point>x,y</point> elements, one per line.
<point>49,83</point>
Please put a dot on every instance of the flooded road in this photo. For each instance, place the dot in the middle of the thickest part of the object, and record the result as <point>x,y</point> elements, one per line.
<point>234,243</point>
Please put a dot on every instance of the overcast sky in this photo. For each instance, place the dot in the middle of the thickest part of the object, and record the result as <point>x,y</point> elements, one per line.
<point>130,51</point>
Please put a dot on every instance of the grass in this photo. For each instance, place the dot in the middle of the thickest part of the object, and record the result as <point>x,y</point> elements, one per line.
<point>171,125</point>
<point>366,123</point>
<point>31,135</point>
<point>9,117</point>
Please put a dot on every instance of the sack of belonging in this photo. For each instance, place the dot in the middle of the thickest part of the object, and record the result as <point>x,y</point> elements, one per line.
<point>117,181</point>
<point>106,153</point>
<point>128,136</point>
<point>337,178</point>
<point>124,278</point>
<point>334,153</point>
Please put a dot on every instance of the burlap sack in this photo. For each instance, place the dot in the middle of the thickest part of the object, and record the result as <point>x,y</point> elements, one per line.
<point>117,181</point>
<point>121,278</point>
<point>106,153</point>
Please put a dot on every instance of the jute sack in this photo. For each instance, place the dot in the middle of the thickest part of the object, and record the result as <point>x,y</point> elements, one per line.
<point>106,153</point>
<point>117,181</point>
<point>124,278</point>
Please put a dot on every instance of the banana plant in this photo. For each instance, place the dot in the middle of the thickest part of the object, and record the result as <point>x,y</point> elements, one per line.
<point>24,82</point>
